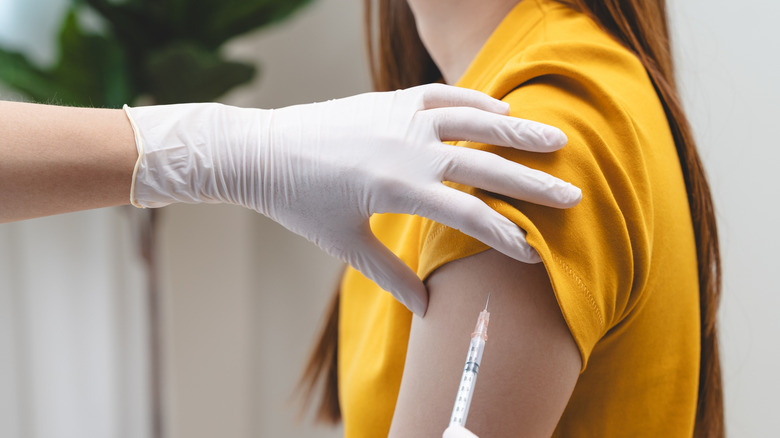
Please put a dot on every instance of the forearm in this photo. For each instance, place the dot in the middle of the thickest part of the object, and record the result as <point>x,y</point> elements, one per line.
<point>59,159</point>
<point>321,170</point>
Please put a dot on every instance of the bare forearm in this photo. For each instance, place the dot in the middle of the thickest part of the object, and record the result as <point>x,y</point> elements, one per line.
<point>59,159</point>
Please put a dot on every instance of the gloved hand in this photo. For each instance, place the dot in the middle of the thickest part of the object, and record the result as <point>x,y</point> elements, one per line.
<point>456,431</point>
<point>321,170</point>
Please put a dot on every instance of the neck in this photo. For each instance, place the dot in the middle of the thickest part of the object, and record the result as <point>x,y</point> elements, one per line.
<point>453,31</point>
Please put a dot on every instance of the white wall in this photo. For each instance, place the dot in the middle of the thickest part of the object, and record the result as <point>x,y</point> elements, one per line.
<point>73,339</point>
<point>729,66</point>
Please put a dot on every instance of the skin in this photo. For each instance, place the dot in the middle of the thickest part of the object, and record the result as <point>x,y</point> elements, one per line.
<point>474,20</point>
<point>531,362</point>
<point>87,156</point>
<point>530,365</point>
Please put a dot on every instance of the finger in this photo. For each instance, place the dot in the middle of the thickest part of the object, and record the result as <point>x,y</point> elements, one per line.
<point>458,431</point>
<point>473,217</point>
<point>484,127</point>
<point>380,265</point>
<point>491,172</point>
<point>440,96</point>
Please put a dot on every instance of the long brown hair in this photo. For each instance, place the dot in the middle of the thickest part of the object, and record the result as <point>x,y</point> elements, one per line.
<point>399,60</point>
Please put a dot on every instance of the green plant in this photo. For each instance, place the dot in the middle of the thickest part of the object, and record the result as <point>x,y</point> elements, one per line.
<point>167,50</point>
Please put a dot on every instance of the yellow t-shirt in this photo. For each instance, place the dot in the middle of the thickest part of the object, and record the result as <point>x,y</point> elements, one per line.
<point>622,263</point>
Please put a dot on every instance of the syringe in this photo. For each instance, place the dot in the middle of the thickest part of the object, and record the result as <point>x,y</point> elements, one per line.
<point>477,345</point>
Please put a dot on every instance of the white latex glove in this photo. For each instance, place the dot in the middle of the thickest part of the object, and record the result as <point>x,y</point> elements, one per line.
<point>457,431</point>
<point>321,170</point>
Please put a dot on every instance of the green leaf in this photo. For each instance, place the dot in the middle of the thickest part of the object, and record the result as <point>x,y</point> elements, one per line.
<point>235,17</point>
<point>184,72</point>
<point>19,74</point>
<point>212,23</point>
<point>90,71</point>
<point>90,67</point>
<point>168,49</point>
<point>134,24</point>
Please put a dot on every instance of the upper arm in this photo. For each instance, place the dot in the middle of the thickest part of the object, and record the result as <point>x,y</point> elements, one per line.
<point>534,356</point>
<point>530,365</point>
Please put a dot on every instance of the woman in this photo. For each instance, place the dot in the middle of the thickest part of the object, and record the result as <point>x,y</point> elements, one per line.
<point>614,334</point>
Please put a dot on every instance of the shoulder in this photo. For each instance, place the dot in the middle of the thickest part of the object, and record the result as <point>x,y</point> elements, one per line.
<point>568,73</point>
<point>569,49</point>
<point>597,254</point>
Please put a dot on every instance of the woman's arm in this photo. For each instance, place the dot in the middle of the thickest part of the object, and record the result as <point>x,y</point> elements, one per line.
<point>58,159</point>
<point>530,364</point>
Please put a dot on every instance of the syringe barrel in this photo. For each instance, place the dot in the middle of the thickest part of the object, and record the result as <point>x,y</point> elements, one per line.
<point>467,381</point>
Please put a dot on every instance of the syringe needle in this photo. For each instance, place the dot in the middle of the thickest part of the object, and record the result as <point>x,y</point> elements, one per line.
<point>488,301</point>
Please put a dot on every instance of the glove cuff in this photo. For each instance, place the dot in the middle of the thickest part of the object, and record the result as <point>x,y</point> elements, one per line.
<point>194,153</point>
<point>139,145</point>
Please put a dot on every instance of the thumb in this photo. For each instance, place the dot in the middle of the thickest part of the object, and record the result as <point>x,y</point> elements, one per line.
<point>458,431</point>
<point>380,265</point>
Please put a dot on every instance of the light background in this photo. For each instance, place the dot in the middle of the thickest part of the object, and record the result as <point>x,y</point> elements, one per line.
<point>243,298</point>
<point>728,72</point>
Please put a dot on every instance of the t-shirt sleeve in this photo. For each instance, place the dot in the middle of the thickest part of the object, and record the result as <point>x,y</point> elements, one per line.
<point>596,253</point>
